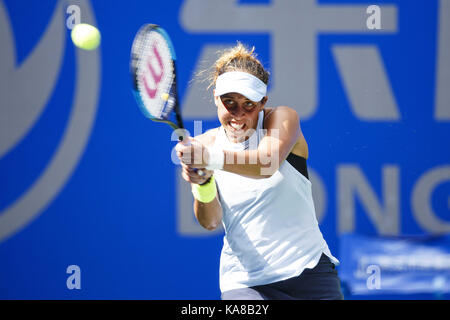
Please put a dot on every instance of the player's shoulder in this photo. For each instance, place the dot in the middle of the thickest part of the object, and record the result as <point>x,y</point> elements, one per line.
<point>208,138</point>
<point>280,112</point>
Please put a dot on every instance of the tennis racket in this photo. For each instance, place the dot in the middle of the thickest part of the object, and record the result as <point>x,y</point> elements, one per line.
<point>154,82</point>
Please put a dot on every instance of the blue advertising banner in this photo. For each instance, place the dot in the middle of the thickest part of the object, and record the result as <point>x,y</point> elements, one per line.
<point>92,205</point>
<point>378,265</point>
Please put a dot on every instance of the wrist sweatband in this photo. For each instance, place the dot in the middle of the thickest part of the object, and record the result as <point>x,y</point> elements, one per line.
<point>205,192</point>
<point>216,159</point>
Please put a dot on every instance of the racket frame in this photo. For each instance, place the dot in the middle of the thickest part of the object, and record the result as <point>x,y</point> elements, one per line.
<point>177,126</point>
<point>173,91</point>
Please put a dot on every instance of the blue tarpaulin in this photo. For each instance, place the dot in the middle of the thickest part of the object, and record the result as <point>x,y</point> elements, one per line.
<point>405,265</point>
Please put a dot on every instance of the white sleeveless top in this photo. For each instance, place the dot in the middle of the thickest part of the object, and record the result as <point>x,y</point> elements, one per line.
<point>271,230</point>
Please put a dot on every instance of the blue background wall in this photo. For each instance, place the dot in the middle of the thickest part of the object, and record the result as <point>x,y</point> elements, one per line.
<point>115,215</point>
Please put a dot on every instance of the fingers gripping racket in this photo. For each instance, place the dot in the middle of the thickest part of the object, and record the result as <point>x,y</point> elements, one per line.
<point>153,72</point>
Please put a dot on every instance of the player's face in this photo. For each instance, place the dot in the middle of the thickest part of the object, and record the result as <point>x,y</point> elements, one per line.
<point>238,115</point>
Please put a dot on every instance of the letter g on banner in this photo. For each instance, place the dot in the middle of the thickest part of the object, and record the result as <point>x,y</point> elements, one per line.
<point>14,126</point>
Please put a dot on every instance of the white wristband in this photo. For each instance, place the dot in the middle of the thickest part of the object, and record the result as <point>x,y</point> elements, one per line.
<point>216,159</point>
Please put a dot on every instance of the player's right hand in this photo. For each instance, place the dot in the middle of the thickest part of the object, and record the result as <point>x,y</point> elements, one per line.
<point>192,175</point>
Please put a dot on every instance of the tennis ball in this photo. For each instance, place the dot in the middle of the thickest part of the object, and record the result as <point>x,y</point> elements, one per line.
<point>165,96</point>
<point>85,36</point>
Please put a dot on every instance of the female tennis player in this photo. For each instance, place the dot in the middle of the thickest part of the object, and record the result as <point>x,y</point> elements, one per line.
<point>256,183</point>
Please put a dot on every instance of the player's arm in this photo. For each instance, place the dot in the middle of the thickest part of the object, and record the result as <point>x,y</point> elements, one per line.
<point>283,133</point>
<point>209,215</point>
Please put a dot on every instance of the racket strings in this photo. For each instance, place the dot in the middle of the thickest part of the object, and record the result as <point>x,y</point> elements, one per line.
<point>155,74</point>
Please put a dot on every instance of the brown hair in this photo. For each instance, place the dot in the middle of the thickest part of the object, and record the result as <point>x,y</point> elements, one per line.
<point>238,58</point>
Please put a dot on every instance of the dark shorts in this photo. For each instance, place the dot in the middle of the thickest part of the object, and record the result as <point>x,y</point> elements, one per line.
<point>320,283</point>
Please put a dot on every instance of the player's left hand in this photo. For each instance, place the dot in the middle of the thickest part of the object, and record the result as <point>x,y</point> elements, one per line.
<point>192,153</point>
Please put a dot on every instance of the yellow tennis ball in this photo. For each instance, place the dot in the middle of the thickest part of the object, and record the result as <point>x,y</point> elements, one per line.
<point>85,36</point>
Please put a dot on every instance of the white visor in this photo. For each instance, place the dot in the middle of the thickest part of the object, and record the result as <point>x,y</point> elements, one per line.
<point>241,82</point>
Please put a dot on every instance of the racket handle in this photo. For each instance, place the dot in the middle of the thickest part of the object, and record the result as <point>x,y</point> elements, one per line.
<point>200,172</point>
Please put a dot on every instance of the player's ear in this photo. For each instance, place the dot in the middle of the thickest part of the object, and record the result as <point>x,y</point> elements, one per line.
<point>264,101</point>
<point>216,99</point>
